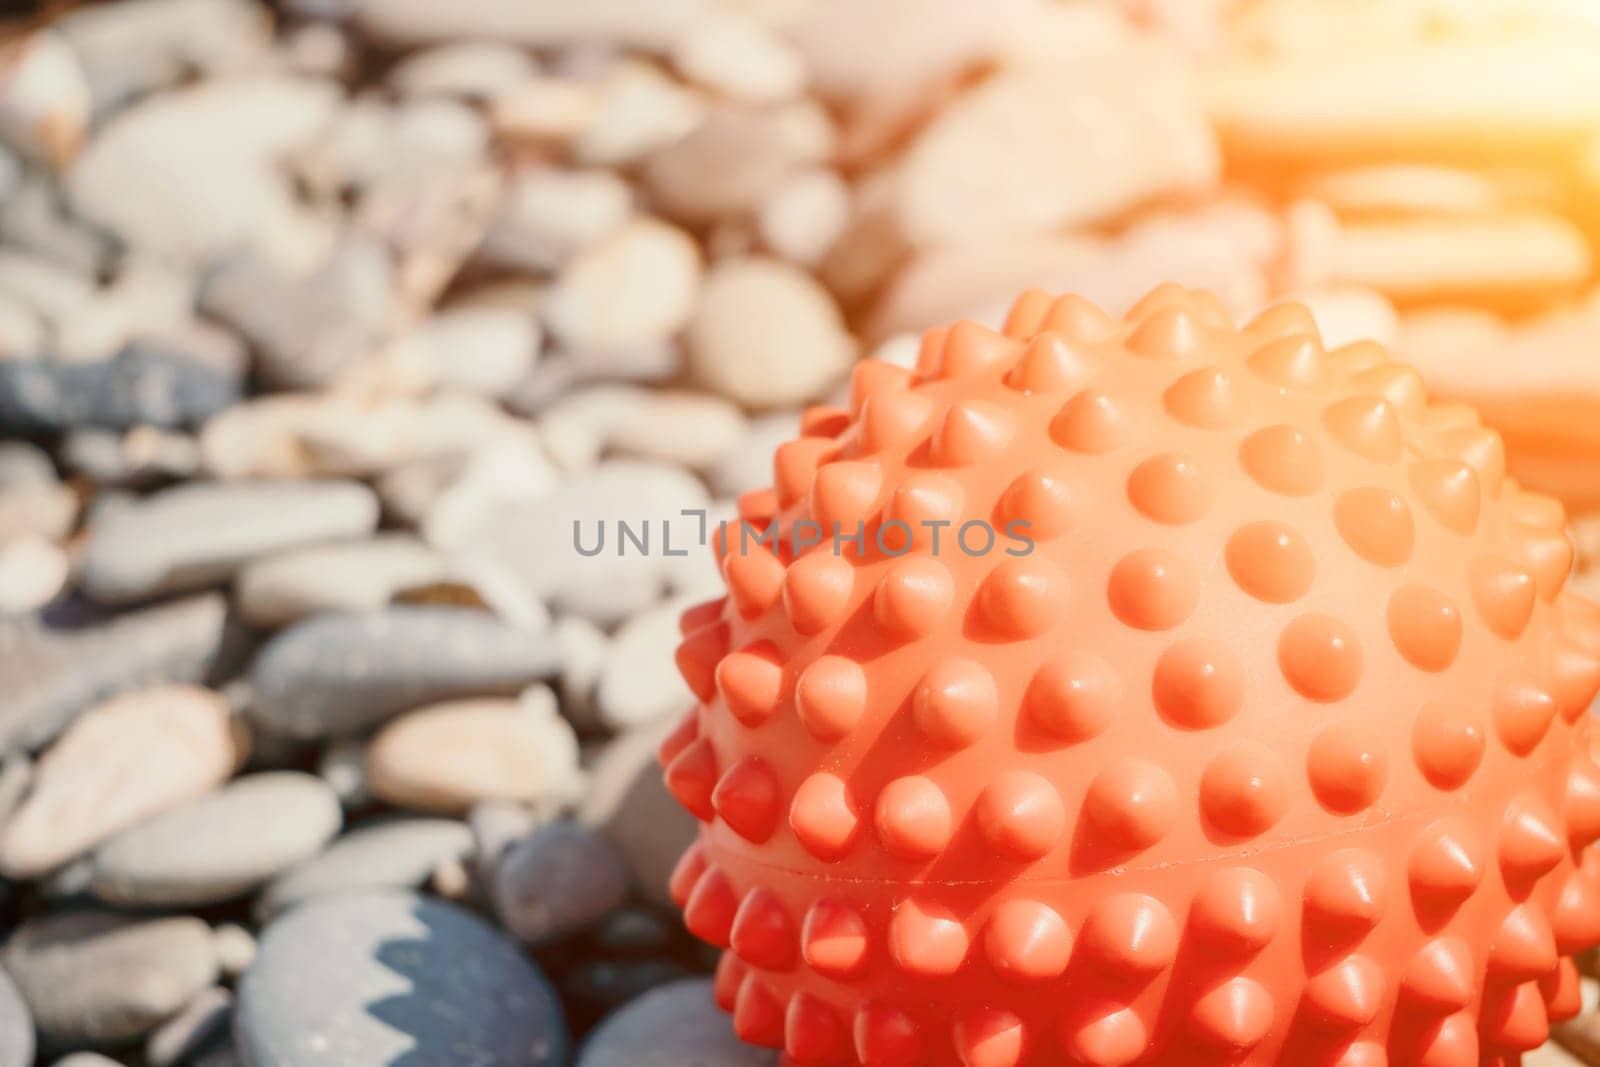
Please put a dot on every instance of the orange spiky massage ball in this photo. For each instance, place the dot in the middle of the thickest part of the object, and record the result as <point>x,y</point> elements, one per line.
<point>1186,694</point>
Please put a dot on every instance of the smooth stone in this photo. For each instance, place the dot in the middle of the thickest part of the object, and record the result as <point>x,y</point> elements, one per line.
<point>739,58</point>
<point>44,98</point>
<point>477,349</point>
<point>646,24</point>
<point>303,435</point>
<point>136,386</point>
<point>583,649</point>
<point>24,464</point>
<point>180,1038</point>
<point>396,854</point>
<point>383,978</point>
<point>596,988</point>
<point>627,801</point>
<point>632,288</point>
<point>802,219</point>
<point>131,48</point>
<point>50,674</point>
<point>198,535</point>
<point>476,70</point>
<point>33,571</point>
<point>33,218</point>
<point>307,324</point>
<point>637,111</point>
<point>550,213</point>
<point>447,757</point>
<point>95,978</point>
<point>640,682</point>
<point>341,674</point>
<point>134,756</point>
<point>343,765</point>
<point>16,1026</point>
<point>896,50</point>
<point>537,539</point>
<point>559,881</point>
<point>675,1025</point>
<point>147,296</point>
<point>86,1059</point>
<point>236,947</point>
<point>766,334</point>
<point>348,577</point>
<point>1011,157</point>
<point>16,777</point>
<point>191,173</point>
<point>734,159</point>
<point>44,509</point>
<point>496,825</point>
<point>673,426</point>
<point>52,291</point>
<point>219,846</point>
<point>141,458</point>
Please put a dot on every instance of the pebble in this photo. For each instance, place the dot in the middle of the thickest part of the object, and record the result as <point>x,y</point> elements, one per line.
<point>583,648</point>
<point>236,947</point>
<point>33,571</point>
<point>537,540</point>
<point>560,880</point>
<point>136,386</point>
<point>449,756</point>
<point>734,159</point>
<point>747,464</point>
<point>805,216</point>
<point>393,854</point>
<point>363,979</point>
<point>740,59</point>
<point>675,1025</point>
<point>344,577</point>
<point>475,70</point>
<point>123,761</point>
<point>550,213</point>
<point>24,464</point>
<point>202,1021</point>
<point>198,535</point>
<point>637,111</point>
<point>627,802</point>
<point>310,323</point>
<point>640,682</point>
<point>44,98</point>
<point>192,172</point>
<point>1008,158</point>
<point>340,674</point>
<point>673,426</point>
<point>484,350</point>
<point>16,1026</point>
<point>95,978</point>
<point>649,24</point>
<point>140,459</point>
<point>766,334</point>
<point>48,674</point>
<point>1405,188</point>
<point>631,289</point>
<point>219,846</point>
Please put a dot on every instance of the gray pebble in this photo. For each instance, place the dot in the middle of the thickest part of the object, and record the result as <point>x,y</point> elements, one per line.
<point>306,329</point>
<point>49,674</point>
<point>395,854</point>
<point>219,846</point>
<point>198,535</point>
<point>16,1026</point>
<point>200,1022</point>
<point>373,979</point>
<point>340,674</point>
<point>676,1025</point>
<point>94,978</point>
<point>557,882</point>
<point>628,803</point>
<point>138,386</point>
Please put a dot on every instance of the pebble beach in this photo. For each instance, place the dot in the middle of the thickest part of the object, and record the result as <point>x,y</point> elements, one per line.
<point>373,372</point>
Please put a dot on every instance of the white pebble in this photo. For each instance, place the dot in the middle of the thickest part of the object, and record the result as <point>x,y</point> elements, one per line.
<point>804,216</point>
<point>742,60</point>
<point>631,289</point>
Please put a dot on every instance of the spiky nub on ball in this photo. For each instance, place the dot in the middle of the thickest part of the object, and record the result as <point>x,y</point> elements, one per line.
<point>1245,724</point>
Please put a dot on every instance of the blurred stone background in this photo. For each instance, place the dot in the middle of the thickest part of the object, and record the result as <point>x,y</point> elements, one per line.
<point>322,321</point>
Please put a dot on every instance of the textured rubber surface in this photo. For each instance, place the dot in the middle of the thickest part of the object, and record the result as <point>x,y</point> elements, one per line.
<point>1273,749</point>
